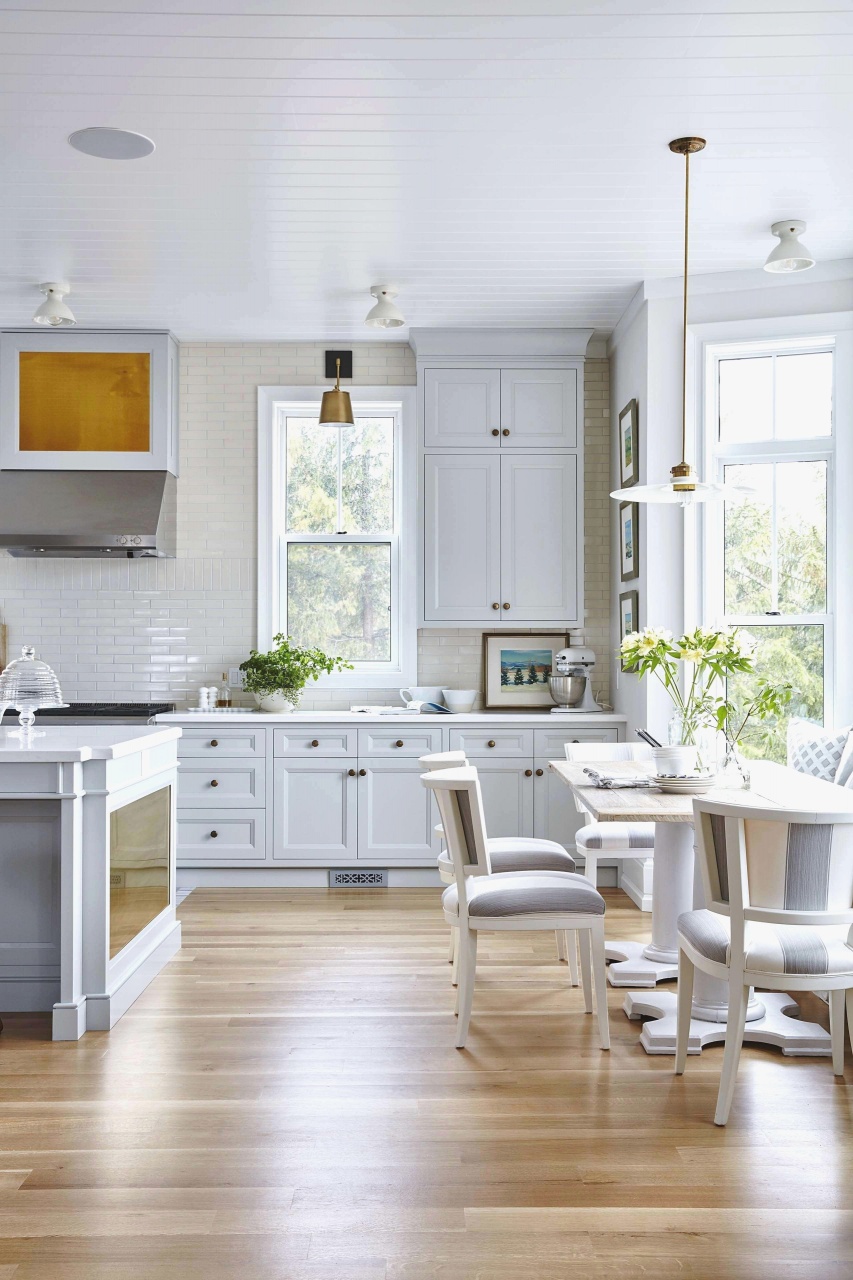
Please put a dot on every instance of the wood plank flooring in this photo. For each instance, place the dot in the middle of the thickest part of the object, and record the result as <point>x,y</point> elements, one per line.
<point>285,1103</point>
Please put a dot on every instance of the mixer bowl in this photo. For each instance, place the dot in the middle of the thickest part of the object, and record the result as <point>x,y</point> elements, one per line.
<point>567,691</point>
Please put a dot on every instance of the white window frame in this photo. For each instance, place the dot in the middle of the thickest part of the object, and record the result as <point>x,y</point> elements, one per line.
<point>275,404</point>
<point>783,336</point>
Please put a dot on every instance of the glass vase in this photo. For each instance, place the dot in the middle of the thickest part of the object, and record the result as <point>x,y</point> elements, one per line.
<point>735,775</point>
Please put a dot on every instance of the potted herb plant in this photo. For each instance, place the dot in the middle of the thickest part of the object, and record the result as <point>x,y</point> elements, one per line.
<point>277,677</point>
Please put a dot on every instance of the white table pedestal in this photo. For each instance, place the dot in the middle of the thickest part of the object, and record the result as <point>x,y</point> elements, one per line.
<point>643,965</point>
<point>768,1019</point>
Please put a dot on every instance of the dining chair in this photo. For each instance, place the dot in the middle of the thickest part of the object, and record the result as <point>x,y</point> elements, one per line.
<point>508,853</point>
<point>610,839</point>
<point>779,888</point>
<point>529,900</point>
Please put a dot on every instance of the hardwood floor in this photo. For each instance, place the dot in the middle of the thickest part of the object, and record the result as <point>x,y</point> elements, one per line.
<point>285,1103</point>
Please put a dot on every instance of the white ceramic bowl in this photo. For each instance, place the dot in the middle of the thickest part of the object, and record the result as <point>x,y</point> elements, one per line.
<point>674,762</point>
<point>460,699</point>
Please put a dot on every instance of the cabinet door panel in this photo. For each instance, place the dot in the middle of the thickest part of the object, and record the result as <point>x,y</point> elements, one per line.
<point>396,813</point>
<point>462,520</point>
<point>539,408</point>
<point>507,796</point>
<point>462,407</point>
<point>539,538</point>
<point>315,811</point>
<point>555,814</point>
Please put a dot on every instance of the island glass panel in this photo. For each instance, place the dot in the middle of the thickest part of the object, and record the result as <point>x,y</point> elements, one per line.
<point>140,853</point>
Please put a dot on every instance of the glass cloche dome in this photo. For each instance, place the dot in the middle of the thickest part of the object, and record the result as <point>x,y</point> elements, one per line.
<point>29,685</point>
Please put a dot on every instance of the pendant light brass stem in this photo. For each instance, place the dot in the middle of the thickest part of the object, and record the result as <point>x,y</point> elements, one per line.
<point>685,147</point>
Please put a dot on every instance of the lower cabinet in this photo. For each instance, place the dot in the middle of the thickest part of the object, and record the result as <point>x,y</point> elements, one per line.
<point>507,790</point>
<point>556,816</point>
<point>396,813</point>
<point>315,810</point>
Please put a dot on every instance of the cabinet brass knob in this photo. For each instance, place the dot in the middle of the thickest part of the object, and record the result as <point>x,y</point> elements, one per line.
<point>213,782</point>
<point>506,604</point>
<point>506,431</point>
<point>214,835</point>
<point>399,742</point>
<point>362,773</point>
<point>495,431</point>
<point>352,773</point>
<point>528,773</point>
<point>496,605</point>
<point>315,743</point>
<point>575,739</point>
<point>214,742</point>
<point>491,743</point>
<point>539,773</point>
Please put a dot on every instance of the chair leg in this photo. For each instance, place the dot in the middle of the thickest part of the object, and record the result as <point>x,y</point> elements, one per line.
<point>686,972</point>
<point>451,951</point>
<point>599,964</point>
<point>561,944</point>
<point>736,1022</point>
<point>591,869</point>
<point>467,969</point>
<point>836,1030</point>
<point>850,1015</point>
<point>586,977</point>
<point>454,972</point>
<point>572,954</point>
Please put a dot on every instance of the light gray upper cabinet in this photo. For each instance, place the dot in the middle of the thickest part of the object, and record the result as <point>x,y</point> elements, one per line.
<point>501,538</point>
<point>501,408</point>
<point>462,407</point>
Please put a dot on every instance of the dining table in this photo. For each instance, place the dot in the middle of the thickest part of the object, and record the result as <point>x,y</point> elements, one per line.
<point>772,1017</point>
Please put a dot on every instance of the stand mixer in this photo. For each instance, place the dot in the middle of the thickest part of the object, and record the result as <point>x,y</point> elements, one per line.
<point>571,687</point>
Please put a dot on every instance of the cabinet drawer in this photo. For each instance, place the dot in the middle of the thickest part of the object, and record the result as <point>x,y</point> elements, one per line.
<point>213,742</point>
<point>492,742</point>
<point>402,741</point>
<point>221,784</point>
<point>550,742</point>
<point>315,741</point>
<point>229,835</point>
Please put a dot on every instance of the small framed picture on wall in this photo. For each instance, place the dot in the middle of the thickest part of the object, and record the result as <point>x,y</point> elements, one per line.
<point>629,617</point>
<point>629,445</point>
<point>629,539</point>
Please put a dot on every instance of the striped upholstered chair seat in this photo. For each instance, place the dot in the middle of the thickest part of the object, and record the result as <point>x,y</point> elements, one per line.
<point>771,948</point>
<point>529,893</point>
<point>616,836</point>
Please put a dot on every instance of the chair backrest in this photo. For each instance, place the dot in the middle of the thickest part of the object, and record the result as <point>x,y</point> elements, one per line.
<point>444,760</point>
<point>460,804</point>
<point>596,751</point>
<point>779,866</point>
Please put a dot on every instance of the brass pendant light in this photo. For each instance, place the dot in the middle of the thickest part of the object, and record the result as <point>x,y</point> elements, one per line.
<point>685,487</point>
<point>336,405</point>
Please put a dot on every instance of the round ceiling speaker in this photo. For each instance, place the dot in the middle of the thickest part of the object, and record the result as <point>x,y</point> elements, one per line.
<point>111,144</point>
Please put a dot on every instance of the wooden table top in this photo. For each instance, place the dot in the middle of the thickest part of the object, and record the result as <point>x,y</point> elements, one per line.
<point>773,785</point>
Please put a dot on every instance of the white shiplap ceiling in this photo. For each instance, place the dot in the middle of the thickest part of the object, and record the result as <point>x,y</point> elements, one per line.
<point>505,163</point>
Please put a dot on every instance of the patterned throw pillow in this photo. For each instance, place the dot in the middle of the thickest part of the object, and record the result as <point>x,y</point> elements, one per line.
<point>815,750</point>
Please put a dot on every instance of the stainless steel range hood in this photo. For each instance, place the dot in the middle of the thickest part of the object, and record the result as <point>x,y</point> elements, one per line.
<point>116,514</point>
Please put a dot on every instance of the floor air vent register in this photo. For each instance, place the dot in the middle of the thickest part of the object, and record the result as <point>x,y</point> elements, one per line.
<point>358,879</point>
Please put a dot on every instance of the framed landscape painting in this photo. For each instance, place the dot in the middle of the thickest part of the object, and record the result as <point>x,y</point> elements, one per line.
<point>629,539</point>
<point>517,667</point>
<point>629,445</point>
<point>629,617</point>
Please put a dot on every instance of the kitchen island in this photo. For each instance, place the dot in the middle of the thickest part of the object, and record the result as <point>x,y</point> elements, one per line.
<point>87,869</point>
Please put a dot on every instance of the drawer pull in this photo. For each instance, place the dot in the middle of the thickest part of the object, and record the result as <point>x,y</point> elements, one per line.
<point>351,773</point>
<point>506,431</point>
<point>399,742</point>
<point>496,605</point>
<point>506,604</point>
<point>491,743</point>
<point>214,835</point>
<point>362,773</point>
<point>495,431</point>
<point>213,782</point>
<point>314,743</point>
<point>575,739</point>
<point>539,773</point>
<point>528,773</point>
<point>214,742</point>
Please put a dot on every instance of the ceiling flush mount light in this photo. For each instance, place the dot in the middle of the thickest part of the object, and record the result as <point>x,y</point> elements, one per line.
<point>685,487</point>
<point>336,406</point>
<point>384,315</point>
<point>53,310</point>
<point>789,255</point>
<point>111,144</point>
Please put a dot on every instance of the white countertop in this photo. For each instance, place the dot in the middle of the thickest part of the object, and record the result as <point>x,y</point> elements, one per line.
<point>60,743</point>
<point>541,719</point>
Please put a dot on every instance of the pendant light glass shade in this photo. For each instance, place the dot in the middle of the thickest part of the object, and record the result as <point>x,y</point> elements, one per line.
<point>684,486</point>
<point>336,405</point>
<point>385,315</point>
<point>789,255</point>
